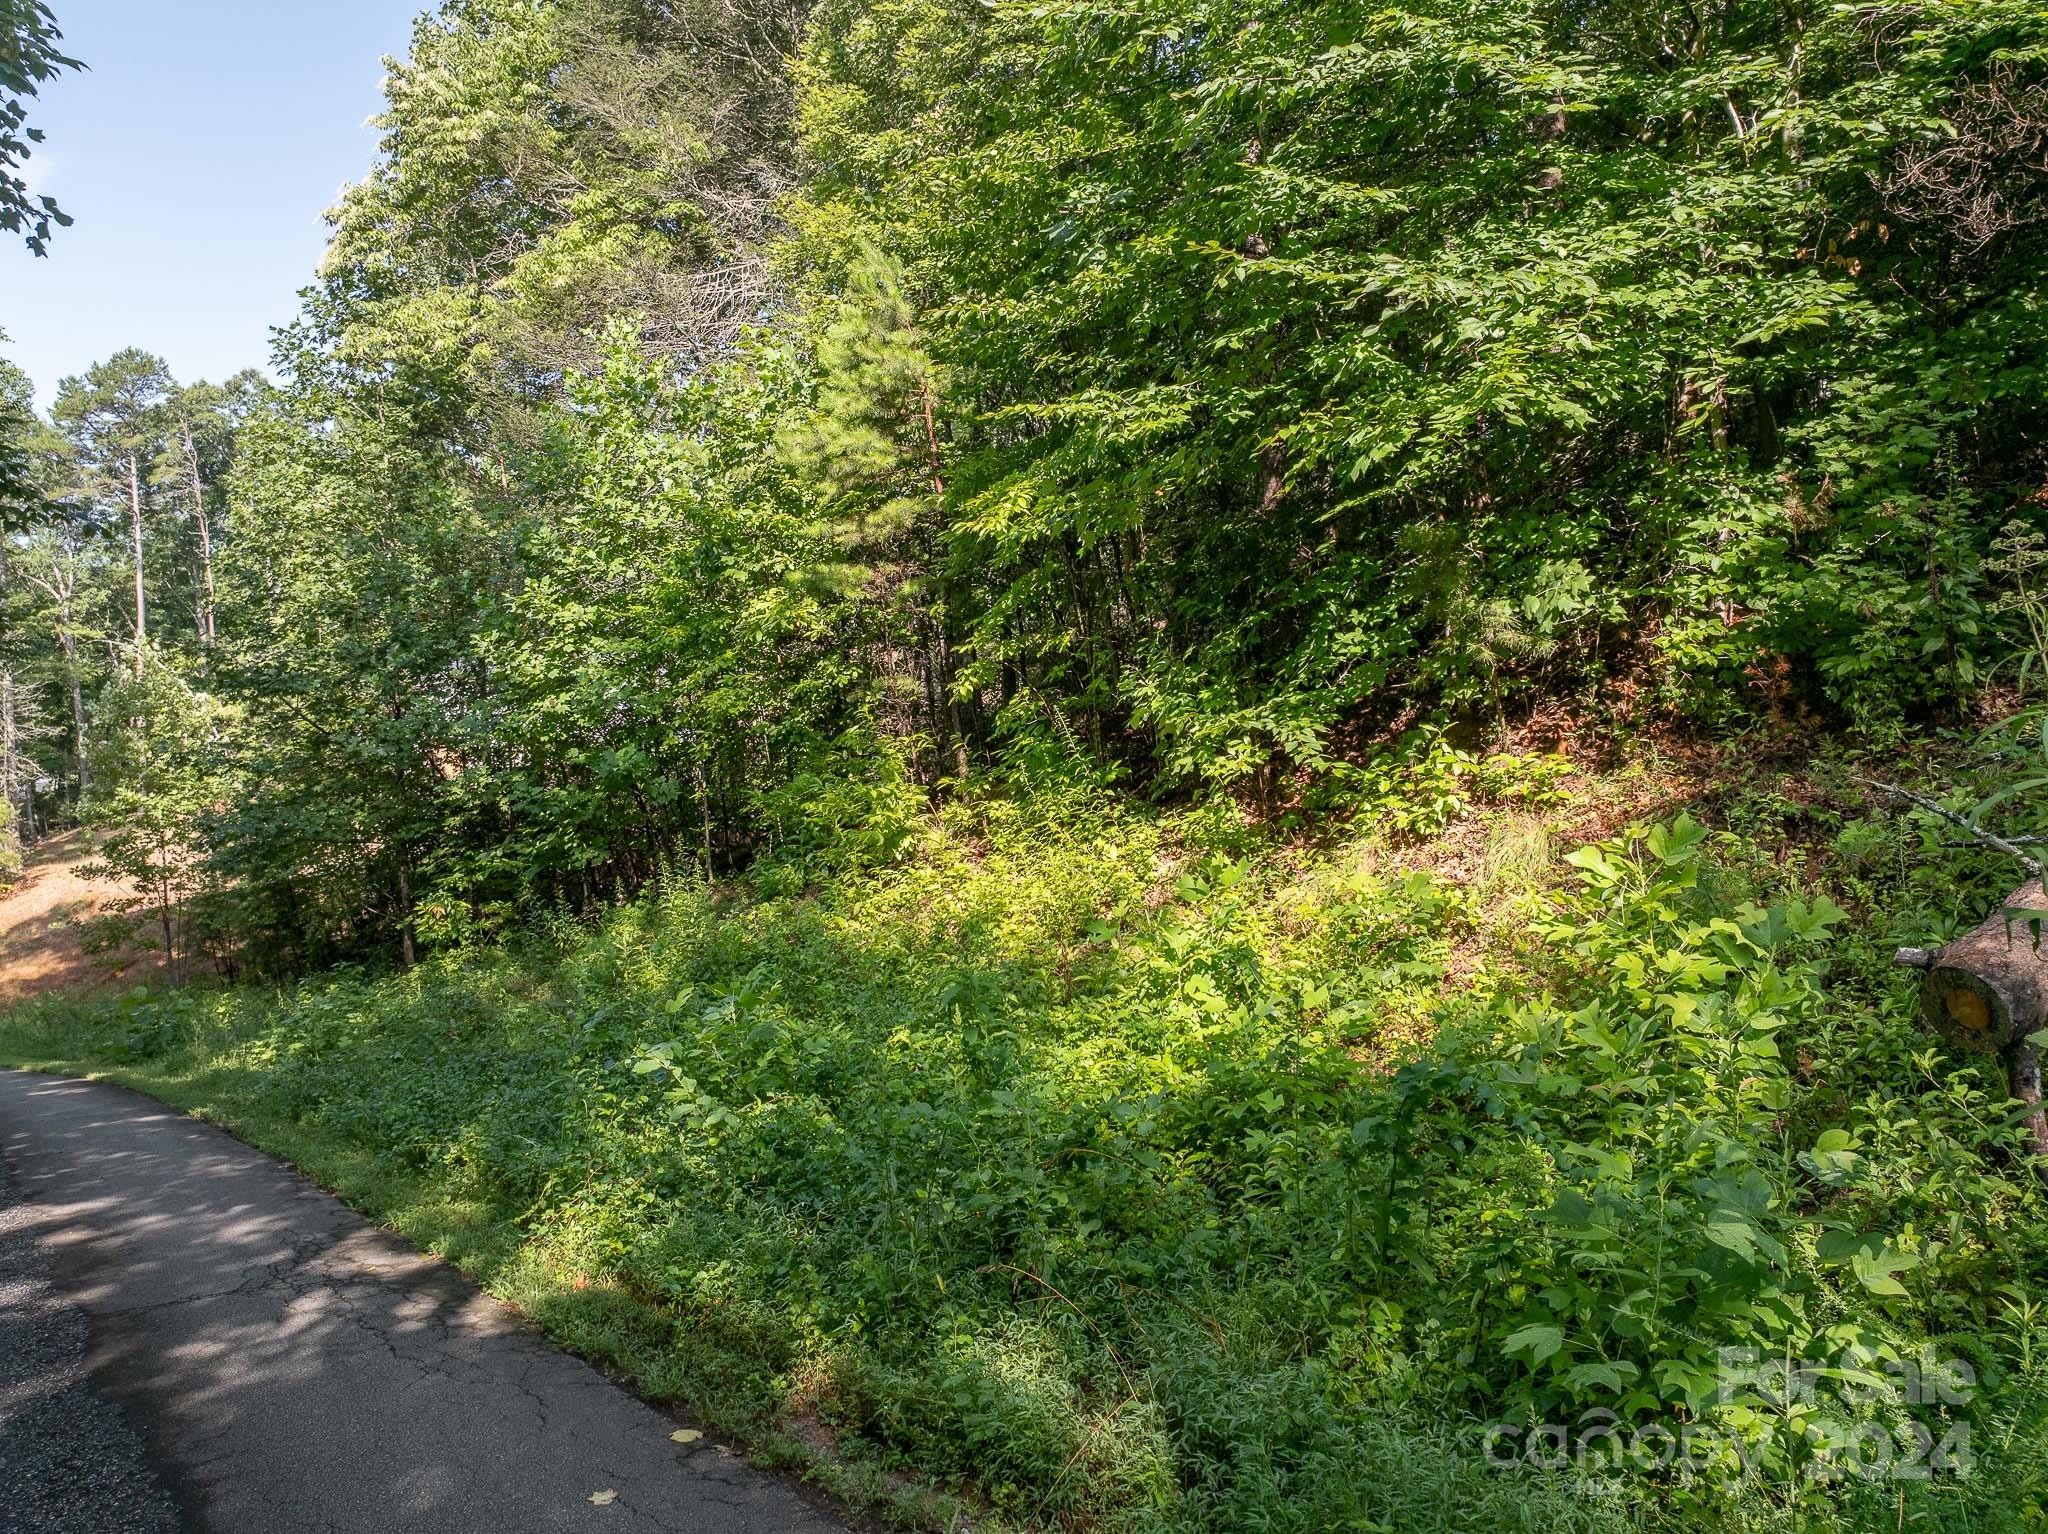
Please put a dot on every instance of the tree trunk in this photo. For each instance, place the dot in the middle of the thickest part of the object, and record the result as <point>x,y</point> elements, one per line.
<point>18,772</point>
<point>135,530</point>
<point>703,777</point>
<point>164,915</point>
<point>931,437</point>
<point>405,938</point>
<point>1988,991</point>
<point>10,745</point>
<point>70,643</point>
<point>206,632</point>
<point>947,678</point>
<point>10,730</point>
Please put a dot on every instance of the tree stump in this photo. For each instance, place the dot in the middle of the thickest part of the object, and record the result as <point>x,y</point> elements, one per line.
<point>1988,990</point>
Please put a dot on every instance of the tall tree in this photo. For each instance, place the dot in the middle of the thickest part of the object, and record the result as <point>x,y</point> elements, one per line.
<point>55,575</point>
<point>198,454</point>
<point>1212,384</point>
<point>55,563</point>
<point>115,415</point>
<point>18,726</point>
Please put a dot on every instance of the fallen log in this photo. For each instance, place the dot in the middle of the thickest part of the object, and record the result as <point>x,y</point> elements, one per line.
<point>2024,1067</point>
<point>1987,990</point>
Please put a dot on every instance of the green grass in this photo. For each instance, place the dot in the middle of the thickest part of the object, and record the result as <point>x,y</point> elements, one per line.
<point>1083,1169</point>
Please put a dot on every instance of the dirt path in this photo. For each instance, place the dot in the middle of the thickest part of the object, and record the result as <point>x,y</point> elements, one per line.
<point>43,928</point>
<point>289,1367</point>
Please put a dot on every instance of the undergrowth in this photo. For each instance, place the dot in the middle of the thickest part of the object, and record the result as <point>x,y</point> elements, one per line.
<point>1063,1165</point>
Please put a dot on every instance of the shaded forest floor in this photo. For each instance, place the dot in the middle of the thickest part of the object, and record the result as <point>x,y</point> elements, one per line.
<point>47,928</point>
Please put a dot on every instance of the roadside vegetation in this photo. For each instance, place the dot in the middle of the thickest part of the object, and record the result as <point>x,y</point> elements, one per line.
<point>1062,1164</point>
<point>1103,765</point>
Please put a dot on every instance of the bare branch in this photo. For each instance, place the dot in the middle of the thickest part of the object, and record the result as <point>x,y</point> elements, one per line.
<point>1961,822</point>
<point>1989,174</point>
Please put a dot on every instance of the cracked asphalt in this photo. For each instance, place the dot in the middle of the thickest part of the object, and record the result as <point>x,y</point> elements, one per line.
<point>193,1337</point>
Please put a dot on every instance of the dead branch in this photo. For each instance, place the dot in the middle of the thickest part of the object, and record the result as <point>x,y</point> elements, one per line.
<point>1963,823</point>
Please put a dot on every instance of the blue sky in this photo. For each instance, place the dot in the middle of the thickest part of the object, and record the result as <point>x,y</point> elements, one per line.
<point>197,156</point>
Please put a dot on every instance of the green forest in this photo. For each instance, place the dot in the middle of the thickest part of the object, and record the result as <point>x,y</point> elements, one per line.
<point>1142,767</point>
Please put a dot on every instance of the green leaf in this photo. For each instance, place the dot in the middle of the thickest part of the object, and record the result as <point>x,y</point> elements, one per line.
<point>1610,1374</point>
<point>1536,1343</point>
<point>1737,1236</point>
<point>1874,1270</point>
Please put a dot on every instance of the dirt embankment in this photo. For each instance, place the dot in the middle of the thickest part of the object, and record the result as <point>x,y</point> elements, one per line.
<point>46,927</point>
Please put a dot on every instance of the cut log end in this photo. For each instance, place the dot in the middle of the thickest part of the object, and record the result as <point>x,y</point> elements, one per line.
<point>1988,989</point>
<point>1966,1009</point>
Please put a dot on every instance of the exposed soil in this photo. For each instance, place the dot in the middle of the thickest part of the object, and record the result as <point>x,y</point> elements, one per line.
<point>46,926</point>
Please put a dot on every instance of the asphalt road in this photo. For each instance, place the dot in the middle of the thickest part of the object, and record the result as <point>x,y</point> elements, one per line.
<point>70,1462</point>
<point>192,1337</point>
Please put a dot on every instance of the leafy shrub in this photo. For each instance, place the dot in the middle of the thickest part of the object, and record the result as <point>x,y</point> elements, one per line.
<point>1122,1180</point>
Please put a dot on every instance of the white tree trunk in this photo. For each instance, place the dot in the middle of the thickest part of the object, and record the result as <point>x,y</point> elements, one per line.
<point>206,631</point>
<point>135,529</point>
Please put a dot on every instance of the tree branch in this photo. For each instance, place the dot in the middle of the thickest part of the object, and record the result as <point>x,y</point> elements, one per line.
<point>1962,823</point>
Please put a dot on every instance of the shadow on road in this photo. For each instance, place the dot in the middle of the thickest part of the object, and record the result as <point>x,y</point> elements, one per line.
<point>293,1367</point>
